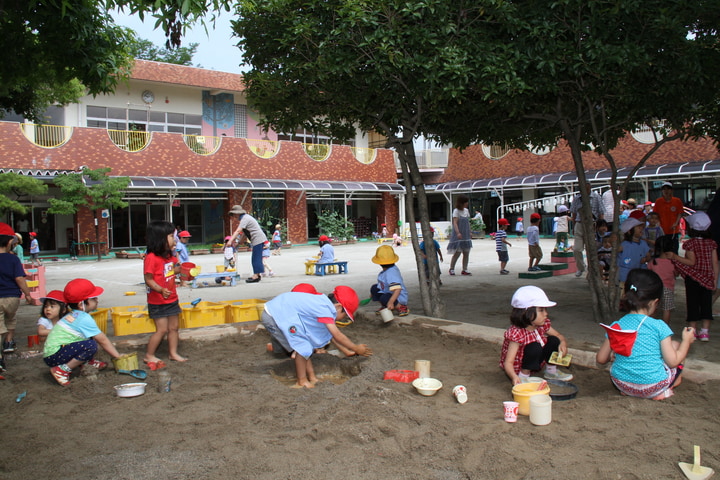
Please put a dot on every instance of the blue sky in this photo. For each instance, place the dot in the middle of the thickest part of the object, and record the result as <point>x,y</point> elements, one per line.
<point>216,49</point>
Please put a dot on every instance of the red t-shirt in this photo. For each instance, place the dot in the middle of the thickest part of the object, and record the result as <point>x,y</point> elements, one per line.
<point>668,212</point>
<point>163,272</point>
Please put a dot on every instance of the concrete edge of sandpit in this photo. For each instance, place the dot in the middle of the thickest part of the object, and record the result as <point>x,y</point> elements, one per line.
<point>698,371</point>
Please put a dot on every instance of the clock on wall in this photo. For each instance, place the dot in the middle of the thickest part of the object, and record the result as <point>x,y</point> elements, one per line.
<point>148,96</point>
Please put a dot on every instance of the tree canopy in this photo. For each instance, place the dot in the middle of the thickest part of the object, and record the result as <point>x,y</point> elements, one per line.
<point>145,50</point>
<point>13,187</point>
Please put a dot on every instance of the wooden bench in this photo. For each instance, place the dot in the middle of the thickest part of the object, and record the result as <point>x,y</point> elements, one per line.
<point>328,268</point>
<point>224,275</point>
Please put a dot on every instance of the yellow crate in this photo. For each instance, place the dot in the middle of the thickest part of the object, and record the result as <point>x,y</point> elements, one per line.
<point>32,283</point>
<point>101,318</point>
<point>248,310</point>
<point>131,320</point>
<point>204,314</point>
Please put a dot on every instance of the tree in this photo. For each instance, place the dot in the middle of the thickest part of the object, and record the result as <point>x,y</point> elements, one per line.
<point>93,189</point>
<point>145,50</point>
<point>13,187</point>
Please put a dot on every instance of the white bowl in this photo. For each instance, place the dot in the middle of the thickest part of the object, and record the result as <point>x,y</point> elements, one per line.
<point>130,389</point>
<point>427,386</point>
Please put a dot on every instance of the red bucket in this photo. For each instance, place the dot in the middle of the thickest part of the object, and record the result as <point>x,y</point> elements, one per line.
<point>402,376</point>
<point>185,270</point>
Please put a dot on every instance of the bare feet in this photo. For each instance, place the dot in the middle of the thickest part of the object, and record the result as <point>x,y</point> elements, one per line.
<point>305,384</point>
<point>152,359</point>
<point>178,358</point>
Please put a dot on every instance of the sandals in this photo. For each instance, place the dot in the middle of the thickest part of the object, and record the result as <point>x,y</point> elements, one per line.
<point>155,365</point>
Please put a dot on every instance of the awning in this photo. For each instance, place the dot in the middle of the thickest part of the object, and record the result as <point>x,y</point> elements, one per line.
<point>183,183</point>
<point>675,170</point>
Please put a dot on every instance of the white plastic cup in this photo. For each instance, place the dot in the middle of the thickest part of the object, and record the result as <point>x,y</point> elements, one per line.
<point>423,368</point>
<point>387,315</point>
<point>540,409</point>
<point>511,411</point>
<point>460,393</point>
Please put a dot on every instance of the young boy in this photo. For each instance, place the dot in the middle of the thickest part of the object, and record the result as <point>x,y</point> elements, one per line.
<point>533,237</point>
<point>562,229</point>
<point>301,322</point>
<point>181,247</point>
<point>390,289</point>
<point>653,231</point>
<point>501,244</point>
<point>424,254</point>
<point>35,249</point>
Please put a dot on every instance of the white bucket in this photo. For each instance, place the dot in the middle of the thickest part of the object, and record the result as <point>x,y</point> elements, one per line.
<point>387,315</point>
<point>540,409</point>
<point>423,368</point>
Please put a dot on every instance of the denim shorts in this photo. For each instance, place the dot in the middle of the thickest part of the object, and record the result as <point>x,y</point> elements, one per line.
<point>163,310</point>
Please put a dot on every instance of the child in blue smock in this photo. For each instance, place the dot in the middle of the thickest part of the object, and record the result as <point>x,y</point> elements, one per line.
<point>390,289</point>
<point>633,252</point>
<point>438,252</point>
<point>301,322</point>
<point>327,252</point>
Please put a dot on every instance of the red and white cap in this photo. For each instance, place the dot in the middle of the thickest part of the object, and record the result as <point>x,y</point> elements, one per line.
<point>81,289</point>
<point>56,295</point>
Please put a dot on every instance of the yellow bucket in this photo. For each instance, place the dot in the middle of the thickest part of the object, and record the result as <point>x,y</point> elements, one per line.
<point>219,268</point>
<point>522,393</point>
<point>126,362</point>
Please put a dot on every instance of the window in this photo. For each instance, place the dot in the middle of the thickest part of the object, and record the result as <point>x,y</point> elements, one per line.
<point>307,136</point>
<point>495,151</point>
<point>142,120</point>
<point>240,121</point>
<point>645,134</point>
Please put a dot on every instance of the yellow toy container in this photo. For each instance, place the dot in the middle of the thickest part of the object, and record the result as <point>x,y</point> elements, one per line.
<point>101,316</point>
<point>126,362</point>
<point>248,310</point>
<point>522,393</point>
<point>131,320</point>
<point>204,314</point>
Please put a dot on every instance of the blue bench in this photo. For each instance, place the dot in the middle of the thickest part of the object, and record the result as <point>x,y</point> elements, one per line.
<point>322,268</point>
<point>232,275</point>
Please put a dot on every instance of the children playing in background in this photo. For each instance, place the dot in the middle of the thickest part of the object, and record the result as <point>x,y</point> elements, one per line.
<point>562,228</point>
<point>277,240</point>
<point>601,228</point>
<point>519,227</point>
<point>327,252</point>
<point>159,269</point>
<point>633,251</point>
<point>605,254</point>
<point>438,252</point>
<point>533,237</point>
<point>54,307</point>
<point>531,340</point>
<point>647,363</point>
<point>390,289</point>
<point>699,268</point>
<point>74,340</point>
<point>664,267</point>
<point>501,244</point>
<point>228,254</point>
<point>653,231</point>
<point>18,249</point>
<point>34,249</point>
<point>301,322</point>
<point>266,260</point>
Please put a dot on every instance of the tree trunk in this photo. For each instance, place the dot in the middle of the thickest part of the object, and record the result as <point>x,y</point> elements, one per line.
<point>97,235</point>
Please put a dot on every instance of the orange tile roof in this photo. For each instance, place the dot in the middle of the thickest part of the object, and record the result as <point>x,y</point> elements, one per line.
<point>183,75</point>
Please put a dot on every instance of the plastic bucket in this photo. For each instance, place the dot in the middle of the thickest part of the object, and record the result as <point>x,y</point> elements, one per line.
<point>219,268</point>
<point>126,362</point>
<point>522,393</point>
<point>185,270</point>
<point>540,409</point>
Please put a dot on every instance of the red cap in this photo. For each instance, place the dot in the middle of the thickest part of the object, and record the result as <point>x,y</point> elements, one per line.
<point>184,234</point>
<point>637,214</point>
<point>6,229</point>
<point>324,238</point>
<point>33,234</point>
<point>305,288</point>
<point>56,295</point>
<point>535,216</point>
<point>349,300</point>
<point>503,221</point>
<point>81,289</point>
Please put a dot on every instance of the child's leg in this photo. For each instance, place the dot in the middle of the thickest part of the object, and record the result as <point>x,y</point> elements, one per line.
<point>666,316</point>
<point>302,372</point>
<point>161,329</point>
<point>173,336</point>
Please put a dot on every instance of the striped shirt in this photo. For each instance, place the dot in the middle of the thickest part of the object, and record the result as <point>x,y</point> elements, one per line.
<point>500,235</point>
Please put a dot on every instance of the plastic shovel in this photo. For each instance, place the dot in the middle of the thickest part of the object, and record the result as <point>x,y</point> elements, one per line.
<point>694,471</point>
<point>139,374</point>
<point>365,302</point>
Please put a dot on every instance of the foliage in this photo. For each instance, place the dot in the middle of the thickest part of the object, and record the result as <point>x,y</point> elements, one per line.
<point>476,224</point>
<point>145,50</point>
<point>335,225</point>
<point>13,187</point>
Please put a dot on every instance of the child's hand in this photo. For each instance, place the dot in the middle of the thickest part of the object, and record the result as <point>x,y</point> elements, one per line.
<point>363,350</point>
<point>688,334</point>
<point>165,293</point>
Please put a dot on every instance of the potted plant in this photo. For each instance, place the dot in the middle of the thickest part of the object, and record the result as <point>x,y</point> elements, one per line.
<point>217,248</point>
<point>477,228</point>
<point>335,226</point>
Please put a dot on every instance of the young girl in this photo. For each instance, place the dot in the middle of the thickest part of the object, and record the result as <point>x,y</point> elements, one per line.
<point>530,340</point>
<point>53,309</point>
<point>633,252</point>
<point>277,240</point>
<point>460,240</point>
<point>266,260</point>
<point>75,338</point>
<point>651,366</point>
<point>664,267</point>
<point>327,252</point>
<point>159,269</point>
<point>699,268</point>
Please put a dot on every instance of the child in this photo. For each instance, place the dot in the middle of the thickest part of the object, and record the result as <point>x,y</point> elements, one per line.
<point>301,322</point>
<point>159,269</point>
<point>228,254</point>
<point>18,249</point>
<point>519,228</point>
<point>265,258</point>
<point>12,284</point>
<point>605,254</point>
<point>396,240</point>
<point>534,250</point>
<point>277,240</point>
<point>530,340</point>
<point>327,252</point>
<point>562,229</point>
<point>501,244</point>
<point>424,254</point>
<point>181,247</point>
<point>35,249</point>
<point>633,252</point>
<point>648,366</point>
<point>53,309</point>
<point>74,340</point>
<point>384,231</point>
<point>601,228</point>
<point>664,267</point>
<point>699,268</point>
<point>390,289</point>
<point>653,231</point>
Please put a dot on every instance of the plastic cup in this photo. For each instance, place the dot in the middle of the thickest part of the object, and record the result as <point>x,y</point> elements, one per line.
<point>460,393</point>
<point>511,411</point>
<point>423,368</point>
<point>33,340</point>
<point>387,315</point>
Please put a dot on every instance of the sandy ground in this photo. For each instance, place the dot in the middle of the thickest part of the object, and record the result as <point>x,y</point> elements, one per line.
<point>232,415</point>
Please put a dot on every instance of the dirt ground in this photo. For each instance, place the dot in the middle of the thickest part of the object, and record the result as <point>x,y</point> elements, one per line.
<point>232,415</point>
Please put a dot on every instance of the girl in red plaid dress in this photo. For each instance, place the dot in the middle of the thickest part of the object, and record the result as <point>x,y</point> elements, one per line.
<point>530,340</point>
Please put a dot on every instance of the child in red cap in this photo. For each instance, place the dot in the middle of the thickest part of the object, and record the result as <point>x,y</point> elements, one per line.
<point>75,338</point>
<point>34,249</point>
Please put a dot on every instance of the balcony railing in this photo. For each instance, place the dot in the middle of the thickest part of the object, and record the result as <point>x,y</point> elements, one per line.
<point>46,136</point>
<point>262,148</point>
<point>429,159</point>
<point>317,152</point>
<point>364,155</point>
<point>202,144</point>
<point>130,141</point>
